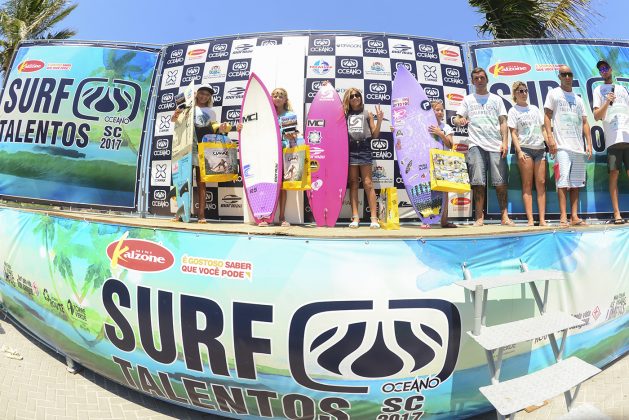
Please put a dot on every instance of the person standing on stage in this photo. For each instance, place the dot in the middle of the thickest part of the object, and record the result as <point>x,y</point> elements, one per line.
<point>489,144</point>
<point>565,113</point>
<point>611,105</point>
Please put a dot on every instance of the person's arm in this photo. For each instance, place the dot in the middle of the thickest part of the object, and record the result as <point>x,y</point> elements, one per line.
<point>375,126</point>
<point>516,143</point>
<point>459,120</point>
<point>588,137</point>
<point>445,138</point>
<point>548,115</point>
<point>175,115</point>
<point>504,133</point>
<point>601,112</point>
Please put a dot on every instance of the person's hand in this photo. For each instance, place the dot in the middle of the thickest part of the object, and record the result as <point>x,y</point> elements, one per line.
<point>504,149</point>
<point>176,114</point>
<point>434,130</point>
<point>522,156</point>
<point>588,150</point>
<point>552,146</point>
<point>611,97</point>
<point>379,113</point>
<point>239,127</point>
<point>461,121</point>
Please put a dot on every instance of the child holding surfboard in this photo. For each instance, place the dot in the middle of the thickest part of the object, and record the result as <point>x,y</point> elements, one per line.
<point>204,123</point>
<point>444,132</point>
<point>361,128</point>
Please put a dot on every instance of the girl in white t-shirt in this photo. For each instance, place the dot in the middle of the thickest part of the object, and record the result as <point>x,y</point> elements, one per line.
<point>528,135</point>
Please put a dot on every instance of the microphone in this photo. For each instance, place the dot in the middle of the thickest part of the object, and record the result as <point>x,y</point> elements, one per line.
<point>612,91</point>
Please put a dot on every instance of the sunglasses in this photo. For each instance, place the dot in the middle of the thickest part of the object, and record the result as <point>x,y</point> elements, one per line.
<point>566,74</point>
<point>603,69</point>
<point>522,91</point>
<point>355,95</point>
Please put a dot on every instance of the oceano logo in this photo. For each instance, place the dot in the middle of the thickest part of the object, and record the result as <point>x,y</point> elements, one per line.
<point>321,42</point>
<point>407,66</point>
<point>161,144</point>
<point>219,47</point>
<point>372,43</point>
<point>159,194</point>
<point>167,97</point>
<point>268,42</point>
<point>452,72</point>
<point>233,114</point>
<point>431,91</point>
<point>377,88</point>
<point>316,85</point>
<point>379,144</point>
<point>240,65</point>
<point>426,48</point>
<point>176,53</point>
<point>192,71</point>
<point>349,63</point>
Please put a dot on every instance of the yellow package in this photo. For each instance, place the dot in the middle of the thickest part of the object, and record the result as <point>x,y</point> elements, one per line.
<point>448,171</point>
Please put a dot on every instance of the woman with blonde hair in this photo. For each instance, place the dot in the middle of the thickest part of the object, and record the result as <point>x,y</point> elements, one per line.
<point>361,128</point>
<point>526,123</point>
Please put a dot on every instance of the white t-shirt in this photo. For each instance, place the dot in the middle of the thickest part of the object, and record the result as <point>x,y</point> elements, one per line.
<point>568,112</point>
<point>616,122</point>
<point>528,121</point>
<point>203,116</point>
<point>482,112</point>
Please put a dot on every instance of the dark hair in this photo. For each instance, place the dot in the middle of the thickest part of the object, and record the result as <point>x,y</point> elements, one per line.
<point>478,70</point>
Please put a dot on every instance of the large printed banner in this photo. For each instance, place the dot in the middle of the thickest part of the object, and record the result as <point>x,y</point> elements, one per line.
<point>364,61</point>
<point>536,63</point>
<point>72,121</point>
<point>341,329</point>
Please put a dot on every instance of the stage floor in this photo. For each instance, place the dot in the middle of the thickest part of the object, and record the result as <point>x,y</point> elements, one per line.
<point>406,231</point>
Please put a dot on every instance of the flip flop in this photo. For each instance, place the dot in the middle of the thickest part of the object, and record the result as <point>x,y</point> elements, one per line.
<point>284,223</point>
<point>578,223</point>
<point>424,226</point>
<point>563,224</point>
<point>202,221</point>
<point>509,222</point>
<point>263,224</point>
<point>616,222</point>
<point>479,223</point>
<point>449,226</point>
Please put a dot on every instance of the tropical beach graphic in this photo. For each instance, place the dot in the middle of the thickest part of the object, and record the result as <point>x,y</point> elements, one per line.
<point>72,123</point>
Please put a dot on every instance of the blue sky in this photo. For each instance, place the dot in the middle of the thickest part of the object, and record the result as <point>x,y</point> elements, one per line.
<point>164,22</point>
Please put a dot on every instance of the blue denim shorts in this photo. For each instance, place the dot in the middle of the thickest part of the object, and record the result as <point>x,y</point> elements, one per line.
<point>479,161</point>
<point>536,154</point>
<point>360,153</point>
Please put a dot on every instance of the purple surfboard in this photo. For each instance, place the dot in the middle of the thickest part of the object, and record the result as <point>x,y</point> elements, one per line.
<point>260,151</point>
<point>412,115</point>
<point>326,134</point>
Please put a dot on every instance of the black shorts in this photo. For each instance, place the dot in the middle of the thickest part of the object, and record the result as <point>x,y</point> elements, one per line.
<point>618,155</point>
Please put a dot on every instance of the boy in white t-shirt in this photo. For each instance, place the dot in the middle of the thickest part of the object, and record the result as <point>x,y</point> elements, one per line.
<point>567,112</point>
<point>611,105</point>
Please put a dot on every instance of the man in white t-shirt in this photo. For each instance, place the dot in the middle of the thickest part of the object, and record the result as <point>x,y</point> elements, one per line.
<point>611,105</point>
<point>565,111</point>
<point>489,144</point>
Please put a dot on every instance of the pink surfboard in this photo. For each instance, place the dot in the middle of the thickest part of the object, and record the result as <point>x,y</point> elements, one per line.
<point>260,151</point>
<point>326,134</point>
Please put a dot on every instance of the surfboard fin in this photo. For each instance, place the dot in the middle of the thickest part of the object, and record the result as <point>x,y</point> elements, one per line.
<point>184,189</point>
<point>171,193</point>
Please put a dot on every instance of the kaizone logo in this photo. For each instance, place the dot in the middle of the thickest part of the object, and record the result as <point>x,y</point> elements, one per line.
<point>347,340</point>
<point>139,255</point>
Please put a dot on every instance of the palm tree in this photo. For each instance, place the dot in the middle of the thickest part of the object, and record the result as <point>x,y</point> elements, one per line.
<point>30,19</point>
<point>507,19</point>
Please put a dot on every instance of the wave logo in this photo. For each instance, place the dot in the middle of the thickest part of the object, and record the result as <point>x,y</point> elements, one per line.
<point>509,68</point>
<point>159,195</point>
<point>96,96</point>
<point>431,92</point>
<point>219,48</point>
<point>193,71</point>
<point>240,65</point>
<point>412,337</point>
<point>161,144</point>
<point>315,85</point>
<point>139,255</point>
<point>374,43</point>
<point>30,66</point>
<point>452,72</point>
<point>167,97</point>
<point>176,53</point>
<point>349,63</point>
<point>426,48</point>
<point>233,114</point>
<point>268,42</point>
<point>379,144</point>
<point>321,42</point>
<point>377,88</point>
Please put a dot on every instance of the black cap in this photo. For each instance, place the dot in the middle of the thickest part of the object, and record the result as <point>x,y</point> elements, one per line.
<point>601,63</point>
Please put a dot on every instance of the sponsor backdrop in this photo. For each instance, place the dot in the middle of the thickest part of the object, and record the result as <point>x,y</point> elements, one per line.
<point>536,63</point>
<point>365,61</point>
<point>72,123</point>
<point>204,320</point>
